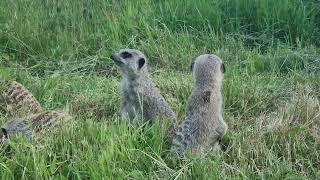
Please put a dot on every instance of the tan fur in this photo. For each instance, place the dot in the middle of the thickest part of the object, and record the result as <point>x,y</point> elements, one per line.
<point>203,125</point>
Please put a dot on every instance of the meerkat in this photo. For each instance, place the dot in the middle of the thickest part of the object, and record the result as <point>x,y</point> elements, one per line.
<point>16,97</point>
<point>140,99</point>
<point>33,123</point>
<point>203,125</point>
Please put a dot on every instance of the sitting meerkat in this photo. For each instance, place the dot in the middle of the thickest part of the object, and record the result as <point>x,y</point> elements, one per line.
<point>140,99</point>
<point>203,125</point>
<point>33,123</point>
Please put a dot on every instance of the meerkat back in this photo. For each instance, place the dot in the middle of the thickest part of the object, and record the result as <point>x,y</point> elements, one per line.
<point>203,125</point>
<point>15,97</point>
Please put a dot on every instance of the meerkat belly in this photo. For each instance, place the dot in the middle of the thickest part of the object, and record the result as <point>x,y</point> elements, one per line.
<point>133,108</point>
<point>130,104</point>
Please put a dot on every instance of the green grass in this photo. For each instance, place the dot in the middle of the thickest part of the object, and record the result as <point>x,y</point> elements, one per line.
<point>60,51</point>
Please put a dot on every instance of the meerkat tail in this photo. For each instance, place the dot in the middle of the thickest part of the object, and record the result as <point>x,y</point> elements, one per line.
<point>181,139</point>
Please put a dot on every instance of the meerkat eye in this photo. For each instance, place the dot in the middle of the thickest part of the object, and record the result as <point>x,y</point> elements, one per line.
<point>223,68</point>
<point>126,55</point>
<point>141,63</point>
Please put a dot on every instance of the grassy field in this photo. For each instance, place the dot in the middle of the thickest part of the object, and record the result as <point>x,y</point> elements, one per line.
<point>60,51</point>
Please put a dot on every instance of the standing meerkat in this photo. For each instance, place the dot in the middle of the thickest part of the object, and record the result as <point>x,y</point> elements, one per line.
<point>139,96</point>
<point>203,125</point>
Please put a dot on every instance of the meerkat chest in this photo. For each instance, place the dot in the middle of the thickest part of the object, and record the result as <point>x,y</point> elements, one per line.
<point>130,92</point>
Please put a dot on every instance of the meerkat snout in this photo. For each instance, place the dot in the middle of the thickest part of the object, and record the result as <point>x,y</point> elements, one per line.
<point>114,57</point>
<point>117,60</point>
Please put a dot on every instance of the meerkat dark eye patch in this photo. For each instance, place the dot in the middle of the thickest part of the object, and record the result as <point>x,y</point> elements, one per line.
<point>141,63</point>
<point>223,68</point>
<point>126,55</point>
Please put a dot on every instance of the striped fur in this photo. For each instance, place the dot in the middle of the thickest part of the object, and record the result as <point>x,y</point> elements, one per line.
<point>18,97</point>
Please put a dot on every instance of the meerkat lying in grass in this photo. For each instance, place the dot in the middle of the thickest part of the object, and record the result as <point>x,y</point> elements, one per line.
<point>35,123</point>
<point>203,125</point>
<point>16,97</point>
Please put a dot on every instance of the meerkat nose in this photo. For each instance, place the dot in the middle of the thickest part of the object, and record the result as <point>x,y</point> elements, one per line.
<point>113,57</point>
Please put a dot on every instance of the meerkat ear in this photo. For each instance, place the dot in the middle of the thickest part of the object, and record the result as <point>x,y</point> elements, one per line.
<point>191,66</point>
<point>223,68</point>
<point>141,63</point>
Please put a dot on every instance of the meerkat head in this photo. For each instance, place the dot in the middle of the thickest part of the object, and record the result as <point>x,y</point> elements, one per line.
<point>208,69</point>
<point>131,62</point>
